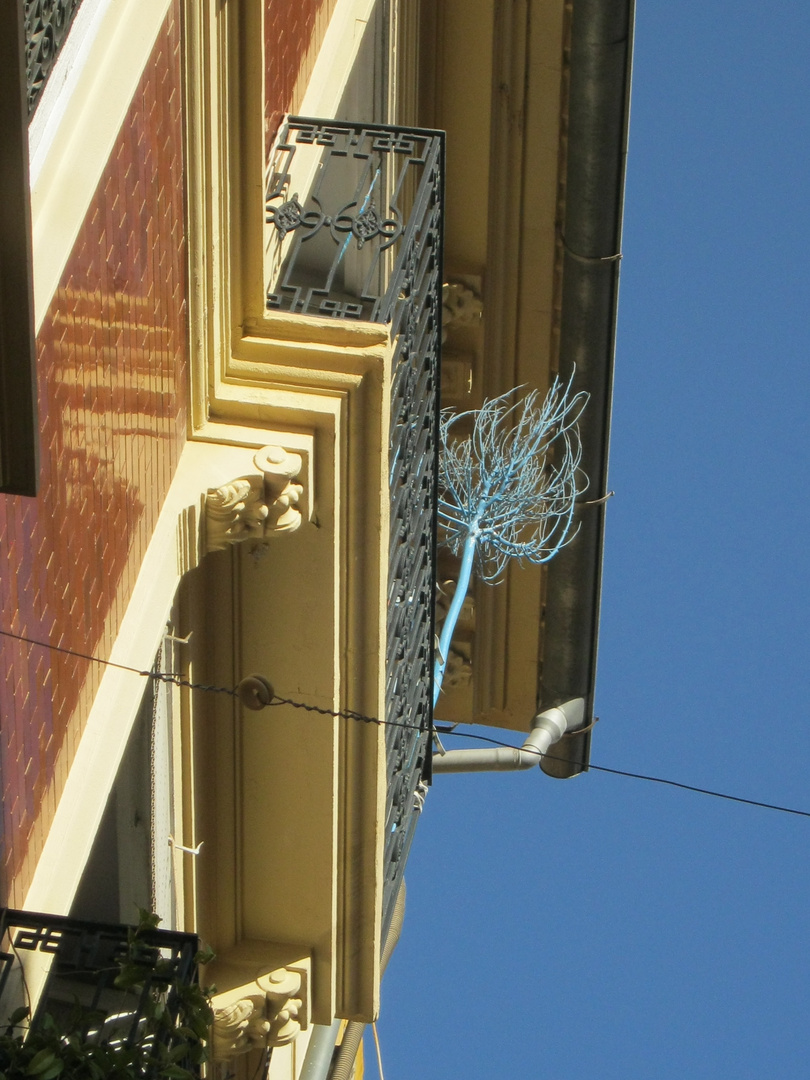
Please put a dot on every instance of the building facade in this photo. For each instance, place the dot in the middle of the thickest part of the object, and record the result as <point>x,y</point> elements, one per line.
<point>246,231</point>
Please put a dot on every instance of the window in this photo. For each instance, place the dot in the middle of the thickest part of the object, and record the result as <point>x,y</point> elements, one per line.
<point>131,864</point>
<point>18,429</point>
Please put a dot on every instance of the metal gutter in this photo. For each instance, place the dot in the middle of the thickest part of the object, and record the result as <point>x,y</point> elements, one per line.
<point>598,112</point>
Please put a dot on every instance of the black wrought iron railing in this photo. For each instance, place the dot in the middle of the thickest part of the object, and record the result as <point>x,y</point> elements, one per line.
<point>74,965</point>
<point>356,216</point>
<point>414,296</point>
<point>47,23</point>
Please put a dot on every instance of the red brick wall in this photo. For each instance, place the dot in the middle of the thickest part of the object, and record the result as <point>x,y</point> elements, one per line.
<point>112,398</point>
<point>293,32</point>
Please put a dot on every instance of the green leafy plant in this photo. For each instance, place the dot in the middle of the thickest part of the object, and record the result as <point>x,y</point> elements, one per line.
<point>169,1042</point>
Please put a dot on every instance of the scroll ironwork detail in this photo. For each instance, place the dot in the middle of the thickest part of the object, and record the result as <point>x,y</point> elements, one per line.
<point>82,960</point>
<point>340,197</point>
<point>47,23</point>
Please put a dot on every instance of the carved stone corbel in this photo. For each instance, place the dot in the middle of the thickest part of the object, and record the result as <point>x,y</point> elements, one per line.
<point>271,1011</point>
<point>461,306</point>
<point>255,507</point>
<point>458,671</point>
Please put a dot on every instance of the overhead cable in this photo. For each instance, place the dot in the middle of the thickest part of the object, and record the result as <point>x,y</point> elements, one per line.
<point>262,694</point>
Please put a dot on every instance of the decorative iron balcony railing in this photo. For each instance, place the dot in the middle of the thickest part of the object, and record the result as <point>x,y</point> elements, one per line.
<point>46,26</point>
<point>356,216</point>
<point>74,964</point>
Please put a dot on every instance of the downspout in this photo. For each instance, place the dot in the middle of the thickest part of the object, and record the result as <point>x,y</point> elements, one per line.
<point>548,728</point>
<point>319,1053</point>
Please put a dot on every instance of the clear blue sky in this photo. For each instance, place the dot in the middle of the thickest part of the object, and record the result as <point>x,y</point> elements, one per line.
<point>607,928</point>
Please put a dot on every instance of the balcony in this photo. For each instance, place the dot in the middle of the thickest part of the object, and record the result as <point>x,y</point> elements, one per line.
<point>356,235</point>
<point>108,986</point>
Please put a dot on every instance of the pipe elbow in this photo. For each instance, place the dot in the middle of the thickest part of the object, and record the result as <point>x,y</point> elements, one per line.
<point>548,728</point>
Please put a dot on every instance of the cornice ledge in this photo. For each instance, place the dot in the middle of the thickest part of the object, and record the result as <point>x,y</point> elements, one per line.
<point>306,361</point>
<point>285,327</point>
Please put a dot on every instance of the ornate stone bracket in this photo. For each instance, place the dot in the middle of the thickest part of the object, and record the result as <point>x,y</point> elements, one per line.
<point>255,507</point>
<point>270,1011</point>
<point>461,306</point>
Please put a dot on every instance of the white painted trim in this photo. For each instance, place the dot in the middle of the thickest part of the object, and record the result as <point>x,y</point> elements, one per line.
<point>336,57</point>
<point>63,79</point>
<point>80,130</point>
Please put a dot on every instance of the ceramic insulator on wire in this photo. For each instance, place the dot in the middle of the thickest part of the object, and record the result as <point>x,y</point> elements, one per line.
<point>255,692</point>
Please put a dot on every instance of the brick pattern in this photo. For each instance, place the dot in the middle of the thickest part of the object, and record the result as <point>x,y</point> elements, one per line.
<point>294,31</point>
<point>112,369</point>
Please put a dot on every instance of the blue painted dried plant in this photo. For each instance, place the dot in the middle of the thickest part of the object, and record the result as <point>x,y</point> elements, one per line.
<point>508,489</point>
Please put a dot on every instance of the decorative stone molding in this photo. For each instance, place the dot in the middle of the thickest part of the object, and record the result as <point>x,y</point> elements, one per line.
<point>458,672</point>
<point>461,305</point>
<point>445,594</point>
<point>457,376</point>
<point>271,1011</point>
<point>255,507</point>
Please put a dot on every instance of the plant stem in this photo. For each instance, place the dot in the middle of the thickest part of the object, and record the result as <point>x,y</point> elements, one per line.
<point>462,586</point>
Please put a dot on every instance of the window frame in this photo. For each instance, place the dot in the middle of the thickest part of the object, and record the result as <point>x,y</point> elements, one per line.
<point>19,444</point>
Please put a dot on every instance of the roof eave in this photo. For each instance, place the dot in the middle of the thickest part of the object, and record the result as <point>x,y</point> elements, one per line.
<point>599,111</point>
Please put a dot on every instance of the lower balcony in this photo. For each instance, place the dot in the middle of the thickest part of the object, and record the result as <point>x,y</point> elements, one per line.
<point>98,999</point>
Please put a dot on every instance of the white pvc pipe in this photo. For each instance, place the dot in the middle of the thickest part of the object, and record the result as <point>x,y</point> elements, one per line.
<point>548,727</point>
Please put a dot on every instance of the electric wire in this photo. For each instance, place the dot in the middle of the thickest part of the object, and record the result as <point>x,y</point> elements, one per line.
<point>625,772</point>
<point>350,714</point>
<point>158,676</point>
<point>338,714</point>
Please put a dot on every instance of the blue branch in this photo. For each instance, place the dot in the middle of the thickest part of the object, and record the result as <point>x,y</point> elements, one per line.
<point>462,586</point>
